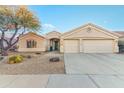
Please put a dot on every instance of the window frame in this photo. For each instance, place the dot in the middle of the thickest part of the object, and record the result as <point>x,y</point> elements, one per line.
<point>31,43</point>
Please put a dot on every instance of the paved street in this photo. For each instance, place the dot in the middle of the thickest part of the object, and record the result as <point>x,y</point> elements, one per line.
<point>61,81</point>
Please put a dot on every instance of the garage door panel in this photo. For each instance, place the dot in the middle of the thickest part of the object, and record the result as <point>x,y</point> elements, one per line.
<point>97,46</point>
<point>71,46</point>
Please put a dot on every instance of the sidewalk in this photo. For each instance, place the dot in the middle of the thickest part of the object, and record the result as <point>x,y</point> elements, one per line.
<point>61,81</point>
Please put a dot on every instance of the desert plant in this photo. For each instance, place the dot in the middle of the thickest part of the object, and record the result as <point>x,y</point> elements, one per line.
<point>1,58</point>
<point>15,59</point>
<point>28,56</point>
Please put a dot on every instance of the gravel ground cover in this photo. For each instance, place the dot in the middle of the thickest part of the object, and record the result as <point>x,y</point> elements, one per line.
<point>37,64</point>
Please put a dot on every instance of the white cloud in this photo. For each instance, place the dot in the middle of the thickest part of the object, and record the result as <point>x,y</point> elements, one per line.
<point>48,27</point>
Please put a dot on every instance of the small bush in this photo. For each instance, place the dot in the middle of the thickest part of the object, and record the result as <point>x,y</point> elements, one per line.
<point>1,58</point>
<point>15,59</point>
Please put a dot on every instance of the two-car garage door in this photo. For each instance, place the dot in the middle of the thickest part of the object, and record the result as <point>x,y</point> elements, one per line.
<point>88,46</point>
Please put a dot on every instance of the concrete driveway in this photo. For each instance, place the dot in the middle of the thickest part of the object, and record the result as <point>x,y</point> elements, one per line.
<point>100,64</point>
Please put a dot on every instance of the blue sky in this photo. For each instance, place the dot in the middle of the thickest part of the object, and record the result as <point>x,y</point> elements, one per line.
<point>64,18</point>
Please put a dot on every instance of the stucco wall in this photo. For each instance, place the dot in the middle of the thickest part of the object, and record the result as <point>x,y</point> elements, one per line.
<point>53,34</point>
<point>41,43</point>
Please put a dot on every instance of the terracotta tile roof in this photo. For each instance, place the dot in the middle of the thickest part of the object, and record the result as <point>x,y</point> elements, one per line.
<point>120,32</point>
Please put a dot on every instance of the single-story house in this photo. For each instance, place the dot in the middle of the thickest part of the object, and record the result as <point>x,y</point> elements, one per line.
<point>88,38</point>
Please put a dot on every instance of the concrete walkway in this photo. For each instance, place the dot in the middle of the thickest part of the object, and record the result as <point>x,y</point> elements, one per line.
<point>61,81</point>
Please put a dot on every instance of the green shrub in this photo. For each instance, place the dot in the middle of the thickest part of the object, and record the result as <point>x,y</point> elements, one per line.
<point>15,59</point>
<point>1,58</point>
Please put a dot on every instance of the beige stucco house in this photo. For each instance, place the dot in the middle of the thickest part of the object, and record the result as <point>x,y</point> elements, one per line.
<point>88,38</point>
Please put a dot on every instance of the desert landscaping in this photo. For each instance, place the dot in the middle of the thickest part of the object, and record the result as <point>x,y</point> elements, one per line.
<point>34,63</point>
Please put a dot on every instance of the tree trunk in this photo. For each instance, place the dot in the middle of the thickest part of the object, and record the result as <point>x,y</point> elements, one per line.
<point>3,52</point>
<point>10,44</point>
<point>2,46</point>
<point>13,36</point>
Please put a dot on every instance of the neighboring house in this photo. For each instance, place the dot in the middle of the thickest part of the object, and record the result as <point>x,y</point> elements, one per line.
<point>88,38</point>
<point>121,41</point>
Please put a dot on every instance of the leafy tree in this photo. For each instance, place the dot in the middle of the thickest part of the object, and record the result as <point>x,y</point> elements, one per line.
<point>18,20</point>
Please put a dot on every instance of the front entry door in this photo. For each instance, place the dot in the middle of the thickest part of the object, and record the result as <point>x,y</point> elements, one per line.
<point>56,45</point>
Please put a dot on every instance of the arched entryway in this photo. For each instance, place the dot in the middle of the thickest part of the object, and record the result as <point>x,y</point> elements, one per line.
<point>54,44</point>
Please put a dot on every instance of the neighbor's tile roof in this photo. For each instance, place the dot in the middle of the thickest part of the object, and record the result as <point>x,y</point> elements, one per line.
<point>120,32</point>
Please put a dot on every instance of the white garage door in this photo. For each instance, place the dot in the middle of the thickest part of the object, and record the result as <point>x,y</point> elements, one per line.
<point>97,46</point>
<point>71,46</point>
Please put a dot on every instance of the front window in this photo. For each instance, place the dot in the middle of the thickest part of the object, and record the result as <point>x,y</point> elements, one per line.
<point>31,44</point>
